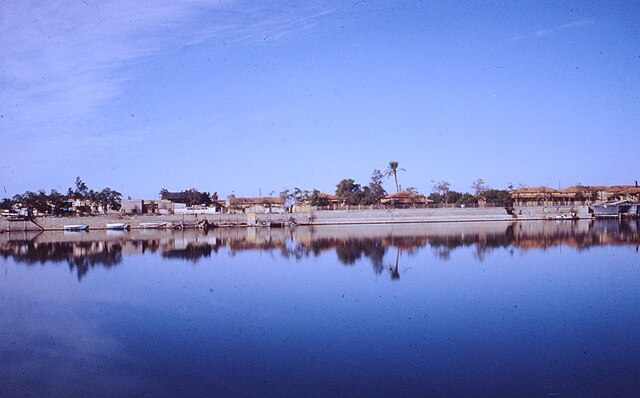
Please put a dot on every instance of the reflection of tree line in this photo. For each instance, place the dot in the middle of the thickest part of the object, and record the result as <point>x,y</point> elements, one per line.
<point>191,252</point>
<point>484,242</point>
<point>350,250</point>
<point>83,255</point>
<point>80,256</point>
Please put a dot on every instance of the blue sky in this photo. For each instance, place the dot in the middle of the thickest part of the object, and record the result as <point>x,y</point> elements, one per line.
<point>250,97</point>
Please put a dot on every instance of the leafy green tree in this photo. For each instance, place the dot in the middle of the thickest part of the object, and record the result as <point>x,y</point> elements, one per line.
<point>58,203</point>
<point>300,196</point>
<point>108,199</point>
<point>442,188</point>
<point>287,197</point>
<point>163,193</point>
<point>497,197</point>
<point>6,204</point>
<point>466,199</point>
<point>315,199</point>
<point>436,198</point>
<point>193,197</point>
<point>33,201</point>
<point>367,197</point>
<point>349,192</point>
<point>205,198</point>
<point>479,187</point>
<point>82,191</point>
<point>452,197</point>
<point>392,170</point>
<point>374,191</point>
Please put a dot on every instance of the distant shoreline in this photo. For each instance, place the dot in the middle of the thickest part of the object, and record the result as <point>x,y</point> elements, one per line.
<point>333,217</point>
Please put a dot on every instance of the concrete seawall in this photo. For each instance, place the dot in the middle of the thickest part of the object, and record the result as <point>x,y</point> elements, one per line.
<point>550,212</point>
<point>336,217</point>
<point>99,222</point>
<point>333,217</point>
<point>397,216</point>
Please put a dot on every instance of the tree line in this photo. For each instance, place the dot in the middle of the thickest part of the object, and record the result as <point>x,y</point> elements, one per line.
<point>442,194</point>
<point>351,193</point>
<point>348,192</point>
<point>59,204</point>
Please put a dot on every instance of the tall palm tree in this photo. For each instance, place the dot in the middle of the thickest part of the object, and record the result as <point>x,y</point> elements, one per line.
<point>392,170</point>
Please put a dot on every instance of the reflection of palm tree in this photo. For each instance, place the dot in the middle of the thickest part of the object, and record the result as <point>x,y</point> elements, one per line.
<point>392,170</point>
<point>395,274</point>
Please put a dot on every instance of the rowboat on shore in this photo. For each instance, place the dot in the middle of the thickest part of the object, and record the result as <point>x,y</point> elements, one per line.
<point>571,216</point>
<point>153,225</point>
<point>75,227</point>
<point>118,225</point>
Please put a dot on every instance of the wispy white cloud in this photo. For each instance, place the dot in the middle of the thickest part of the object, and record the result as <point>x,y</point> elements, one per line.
<point>549,31</point>
<point>62,60</point>
<point>245,25</point>
<point>552,30</point>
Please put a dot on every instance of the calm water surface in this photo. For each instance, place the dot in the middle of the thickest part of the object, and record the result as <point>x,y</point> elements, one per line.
<point>540,309</point>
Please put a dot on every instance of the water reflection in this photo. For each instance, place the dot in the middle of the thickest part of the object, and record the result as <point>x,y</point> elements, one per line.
<point>80,256</point>
<point>351,244</point>
<point>280,312</point>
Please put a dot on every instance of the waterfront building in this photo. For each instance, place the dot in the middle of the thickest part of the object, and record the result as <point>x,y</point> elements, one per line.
<point>254,205</point>
<point>405,199</point>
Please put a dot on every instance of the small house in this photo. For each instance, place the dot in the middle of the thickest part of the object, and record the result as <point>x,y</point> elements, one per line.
<point>132,206</point>
<point>255,205</point>
<point>537,196</point>
<point>404,199</point>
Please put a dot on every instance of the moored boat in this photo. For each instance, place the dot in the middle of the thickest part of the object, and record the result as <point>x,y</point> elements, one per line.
<point>118,225</point>
<point>75,227</point>
<point>571,216</point>
<point>153,225</point>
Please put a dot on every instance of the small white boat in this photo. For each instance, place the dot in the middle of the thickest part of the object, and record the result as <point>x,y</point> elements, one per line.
<point>118,225</point>
<point>75,227</point>
<point>153,225</point>
<point>566,217</point>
